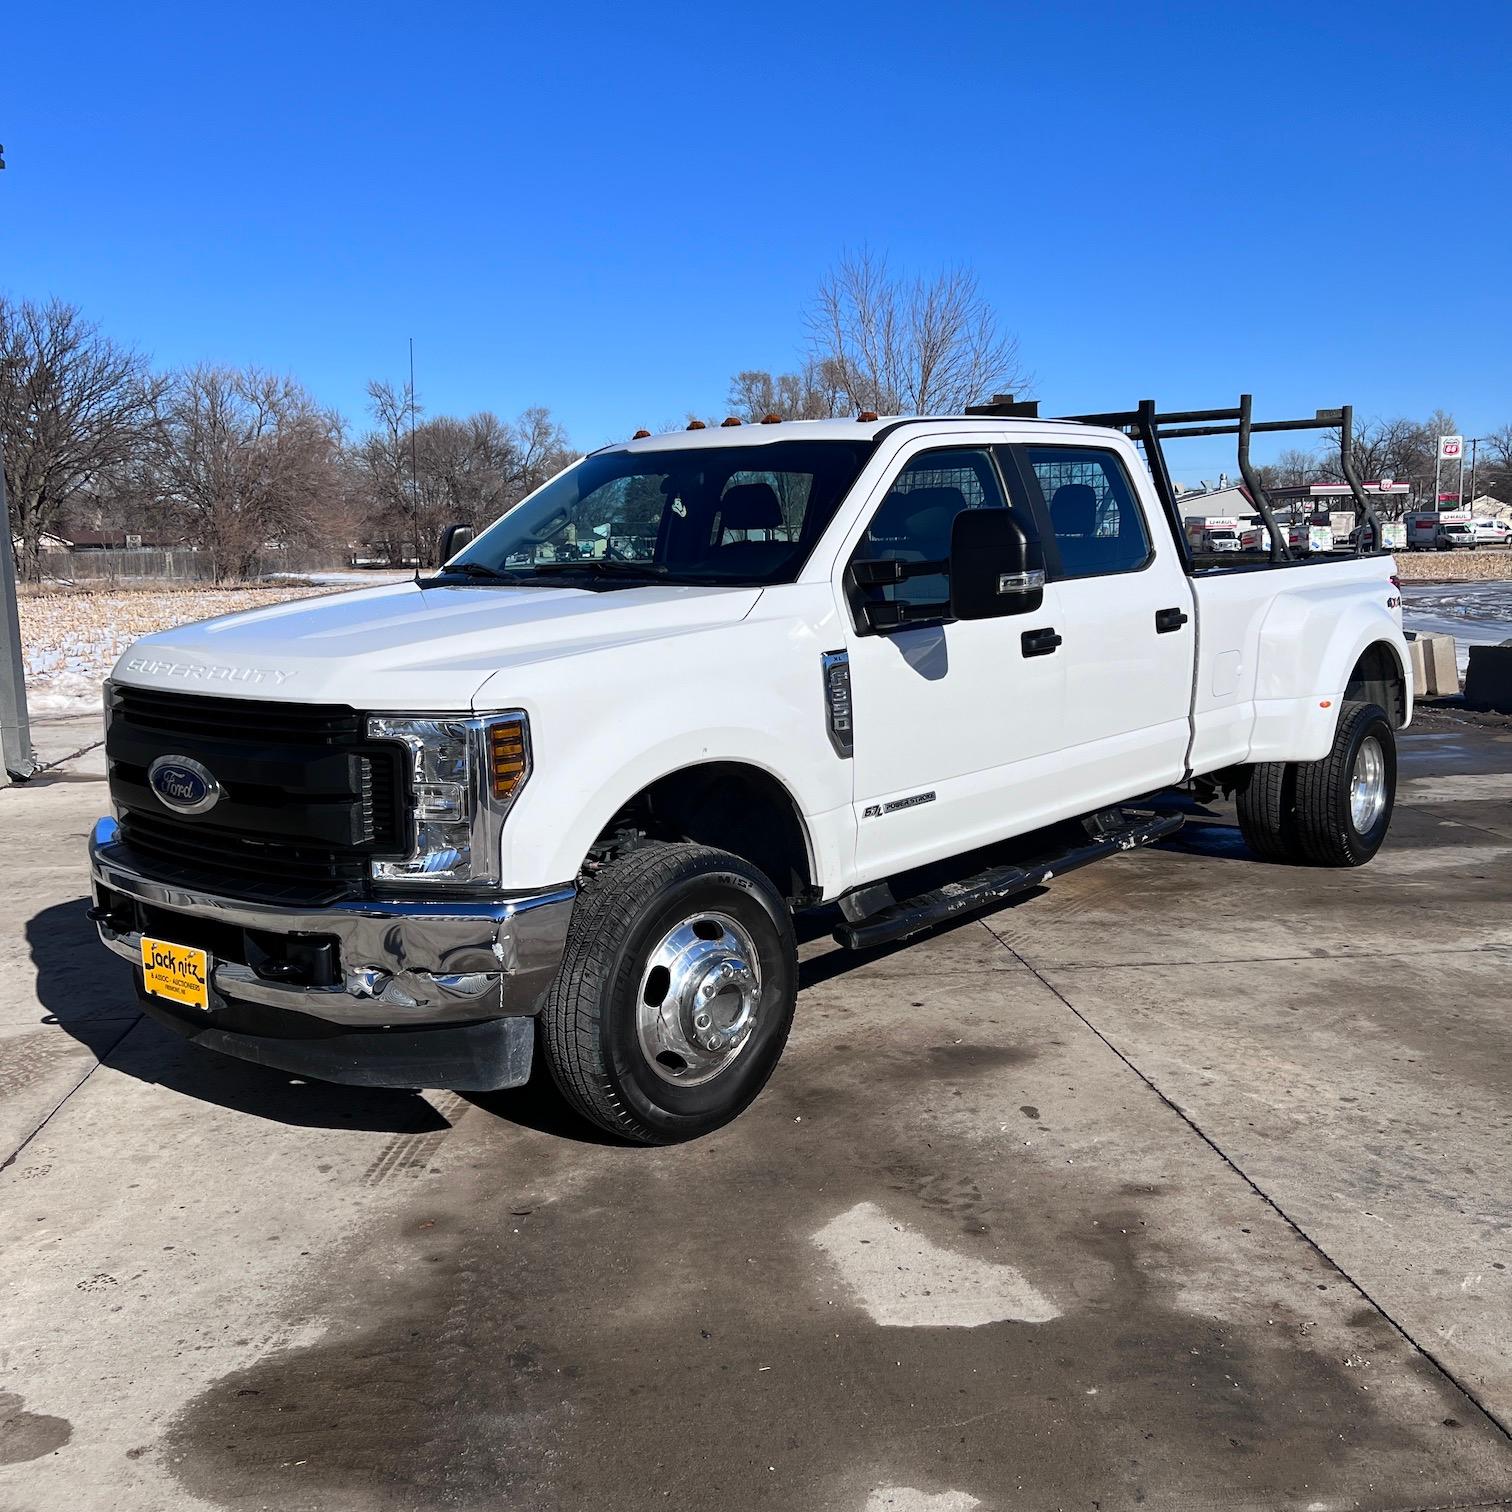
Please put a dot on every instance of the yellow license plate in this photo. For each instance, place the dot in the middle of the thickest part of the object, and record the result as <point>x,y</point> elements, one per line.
<point>177,972</point>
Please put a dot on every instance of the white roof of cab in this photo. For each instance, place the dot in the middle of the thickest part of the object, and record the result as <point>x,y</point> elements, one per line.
<point>755,434</point>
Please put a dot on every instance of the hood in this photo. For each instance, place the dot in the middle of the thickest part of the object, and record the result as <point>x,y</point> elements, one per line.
<point>403,647</point>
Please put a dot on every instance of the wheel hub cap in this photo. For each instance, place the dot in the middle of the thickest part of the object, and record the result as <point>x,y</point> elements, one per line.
<point>1367,785</point>
<point>699,996</point>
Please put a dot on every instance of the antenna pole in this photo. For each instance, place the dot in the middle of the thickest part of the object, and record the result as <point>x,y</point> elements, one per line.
<point>414,463</point>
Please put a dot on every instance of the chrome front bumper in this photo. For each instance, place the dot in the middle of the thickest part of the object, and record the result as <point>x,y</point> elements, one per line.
<point>404,964</point>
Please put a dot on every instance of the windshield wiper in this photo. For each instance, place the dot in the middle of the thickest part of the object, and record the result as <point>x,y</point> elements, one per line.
<point>603,567</point>
<point>480,570</point>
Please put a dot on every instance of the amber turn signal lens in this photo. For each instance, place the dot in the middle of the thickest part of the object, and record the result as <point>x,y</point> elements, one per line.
<point>506,750</point>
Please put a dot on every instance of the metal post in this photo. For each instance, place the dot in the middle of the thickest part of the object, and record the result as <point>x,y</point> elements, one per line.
<point>17,759</point>
<point>1438,463</point>
<point>1462,476</point>
<point>1280,548</point>
<point>1366,519</point>
<point>1474,442</point>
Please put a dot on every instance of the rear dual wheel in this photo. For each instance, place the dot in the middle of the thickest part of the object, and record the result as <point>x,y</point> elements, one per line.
<point>675,994</point>
<point>1333,812</point>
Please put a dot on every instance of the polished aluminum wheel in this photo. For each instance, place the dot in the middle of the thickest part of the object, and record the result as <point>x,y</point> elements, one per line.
<point>1367,785</point>
<point>699,996</point>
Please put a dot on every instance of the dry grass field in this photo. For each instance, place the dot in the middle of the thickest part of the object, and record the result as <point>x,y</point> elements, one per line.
<point>72,636</point>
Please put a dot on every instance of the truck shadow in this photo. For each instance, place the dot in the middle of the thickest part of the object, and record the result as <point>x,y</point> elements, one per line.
<point>88,993</point>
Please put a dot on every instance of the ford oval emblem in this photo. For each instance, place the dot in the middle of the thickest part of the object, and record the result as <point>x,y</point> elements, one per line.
<point>183,785</point>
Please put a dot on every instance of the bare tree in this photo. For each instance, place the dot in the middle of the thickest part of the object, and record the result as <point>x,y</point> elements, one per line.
<point>910,345</point>
<point>1399,448</point>
<point>1496,476</point>
<point>73,406</point>
<point>245,460</point>
<point>815,392</point>
<point>466,471</point>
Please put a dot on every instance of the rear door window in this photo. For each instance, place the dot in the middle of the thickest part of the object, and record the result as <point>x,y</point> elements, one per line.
<point>1094,518</point>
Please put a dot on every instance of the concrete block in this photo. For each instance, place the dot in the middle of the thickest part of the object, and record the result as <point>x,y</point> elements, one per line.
<point>1488,683</point>
<point>1441,670</point>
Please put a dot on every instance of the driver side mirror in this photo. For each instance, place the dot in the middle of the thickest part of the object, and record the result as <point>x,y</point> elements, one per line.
<point>453,539</point>
<point>995,569</point>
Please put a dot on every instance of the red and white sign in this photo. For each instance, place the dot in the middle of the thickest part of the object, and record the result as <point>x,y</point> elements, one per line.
<point>1451,448</point>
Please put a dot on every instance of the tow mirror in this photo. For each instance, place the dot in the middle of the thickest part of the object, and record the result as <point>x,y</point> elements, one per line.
<point>453,539</point>
<point>995,569</point>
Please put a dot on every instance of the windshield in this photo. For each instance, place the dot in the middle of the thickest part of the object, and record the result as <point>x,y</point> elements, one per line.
<point>745,515</point>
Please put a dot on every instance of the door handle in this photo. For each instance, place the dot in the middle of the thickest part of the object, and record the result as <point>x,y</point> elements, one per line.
<point>1039,642</point>
<point>1169,619</point>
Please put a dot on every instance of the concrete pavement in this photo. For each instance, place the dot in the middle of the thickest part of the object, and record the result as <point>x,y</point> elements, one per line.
<point>1181,1185</point>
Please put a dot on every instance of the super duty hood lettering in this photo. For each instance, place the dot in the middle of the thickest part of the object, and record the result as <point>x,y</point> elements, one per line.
<point>149,666</point>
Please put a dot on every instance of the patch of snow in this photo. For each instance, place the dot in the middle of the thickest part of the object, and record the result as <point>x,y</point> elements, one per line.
<point>345,577</point>
<point>1475,614</point>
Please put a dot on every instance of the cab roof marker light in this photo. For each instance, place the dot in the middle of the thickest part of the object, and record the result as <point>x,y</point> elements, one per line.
<point>867,415</point>
<point>697,425</point>
<point>728,420</point>
<point>771,419</point>
<point>641,434</point>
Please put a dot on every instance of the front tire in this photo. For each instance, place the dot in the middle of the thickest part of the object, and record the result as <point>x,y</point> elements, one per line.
<point>675,994</point>
<point>1344,801</point>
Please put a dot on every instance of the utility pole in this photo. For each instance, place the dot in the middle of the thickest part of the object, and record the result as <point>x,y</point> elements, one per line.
<point>1475,441</point>
<point>17,759</point>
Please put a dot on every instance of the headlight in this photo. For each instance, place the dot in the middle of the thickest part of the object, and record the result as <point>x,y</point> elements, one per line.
<point>463,776</point>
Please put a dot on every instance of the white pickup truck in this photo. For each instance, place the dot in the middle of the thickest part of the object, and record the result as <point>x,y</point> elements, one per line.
<point>571,789</point>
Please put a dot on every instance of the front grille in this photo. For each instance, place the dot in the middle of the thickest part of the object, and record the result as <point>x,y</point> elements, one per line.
<point>240,718</point>
<point>307,800</point>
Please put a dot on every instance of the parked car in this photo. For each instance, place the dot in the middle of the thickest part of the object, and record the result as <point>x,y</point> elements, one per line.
<point>1491,531</point>
<point>901,669</point>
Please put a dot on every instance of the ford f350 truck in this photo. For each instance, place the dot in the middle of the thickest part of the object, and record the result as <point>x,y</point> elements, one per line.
<point>569,791</point>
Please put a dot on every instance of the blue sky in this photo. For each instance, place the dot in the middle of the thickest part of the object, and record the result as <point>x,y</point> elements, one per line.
<point>608,209</point>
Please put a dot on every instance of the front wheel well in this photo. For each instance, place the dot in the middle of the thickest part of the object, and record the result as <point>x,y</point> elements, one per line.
<point>1378,678</point>
<point>726,805</point>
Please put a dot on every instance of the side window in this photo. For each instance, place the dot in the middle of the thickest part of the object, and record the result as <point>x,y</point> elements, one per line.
<point>1093,515</point>
<point>913,523</point>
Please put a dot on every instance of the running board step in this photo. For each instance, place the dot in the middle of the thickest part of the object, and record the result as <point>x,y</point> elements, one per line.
<point>914,915</point>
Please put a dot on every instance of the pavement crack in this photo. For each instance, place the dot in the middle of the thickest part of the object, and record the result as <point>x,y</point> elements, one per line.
<point>1430,950</point>
<point>72,755</point>
<point>1454,1380</point>
<point>57,1107</point>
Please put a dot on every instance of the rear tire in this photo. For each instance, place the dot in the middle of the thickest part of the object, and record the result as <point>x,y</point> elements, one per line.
<point>1266,800</point>
<point>1344,801</point>
<point>1333,812</point>
<point>675,994</point>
